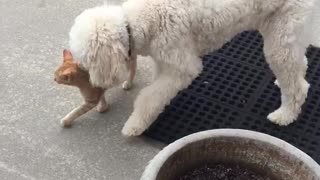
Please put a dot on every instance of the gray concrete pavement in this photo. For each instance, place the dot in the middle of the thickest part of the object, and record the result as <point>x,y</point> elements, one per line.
<point>32,143</point>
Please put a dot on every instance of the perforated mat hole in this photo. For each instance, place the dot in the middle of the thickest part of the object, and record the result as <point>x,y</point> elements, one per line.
<point>185,107</point>
<point>228,124</point>
<point>309,131</point>
<point>231,118</point>
<point>248,79</point>
<point>222,87</point>
<point>240,76</point>
<point>223,99</point>
<point>269,104</point>
<point>218,79</point>
<point>314,143</point>
<point>225,82</point>
<point>257,54</point>
<point>243,101</point>
<point>257,122</point>
<point>219,120</point>
<point>243,58</point>
<point>233,85</point>
<point>253,86</point>
<point>265,109</point>
<point>190,129</point>
<point>314,120</point>
<point>205,109</point>
<point>180,111</point>
<point>219,91</point>
<point>202,85</point>
<point>235,56</point>
<point>302,144</point>
<point>199,90</point>
<point>312,149</point>
<point>256,81</point>
<point>176,117</point>
<point>251,61</point>
<point>210,89</point>
<point>193,110</point>
<point>235,98</point>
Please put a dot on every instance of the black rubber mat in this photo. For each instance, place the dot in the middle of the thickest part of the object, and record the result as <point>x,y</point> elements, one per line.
<point>236,90</point>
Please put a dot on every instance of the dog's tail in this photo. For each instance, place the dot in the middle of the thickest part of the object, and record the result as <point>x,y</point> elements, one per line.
<point>315,24</point>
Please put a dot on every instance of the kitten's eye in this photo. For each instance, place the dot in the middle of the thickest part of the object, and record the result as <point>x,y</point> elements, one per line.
<point>66,78</point>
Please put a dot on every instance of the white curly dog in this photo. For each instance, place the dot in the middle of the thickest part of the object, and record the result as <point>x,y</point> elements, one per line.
<point>175,33</point>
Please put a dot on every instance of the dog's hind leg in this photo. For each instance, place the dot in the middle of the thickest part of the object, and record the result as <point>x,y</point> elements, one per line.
<point>152,99</point>
<point>284,50</point>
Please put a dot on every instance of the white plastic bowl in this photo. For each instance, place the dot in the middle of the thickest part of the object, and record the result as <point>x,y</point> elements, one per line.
<point>265,153</point>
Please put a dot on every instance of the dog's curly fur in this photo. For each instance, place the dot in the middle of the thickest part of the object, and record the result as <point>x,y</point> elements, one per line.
<point>175,33</point>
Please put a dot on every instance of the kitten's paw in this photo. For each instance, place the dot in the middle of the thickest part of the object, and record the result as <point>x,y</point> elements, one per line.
<point>66,123</point>
<point>276,82</point>
<point>282,117</point>
<point>101,108</point>
<point>127,85</point>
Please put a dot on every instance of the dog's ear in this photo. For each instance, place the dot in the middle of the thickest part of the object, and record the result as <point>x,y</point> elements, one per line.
<point>67,55</point>
<point>107,63</point>
<point>119,48</point>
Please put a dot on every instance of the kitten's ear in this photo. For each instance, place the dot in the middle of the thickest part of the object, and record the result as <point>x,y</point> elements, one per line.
<point>67,55</point>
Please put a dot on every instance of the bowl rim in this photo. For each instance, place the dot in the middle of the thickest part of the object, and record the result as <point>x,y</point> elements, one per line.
<point>152,169</point>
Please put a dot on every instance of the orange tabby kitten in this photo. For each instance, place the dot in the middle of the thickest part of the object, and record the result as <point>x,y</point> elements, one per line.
<point>69,73</point>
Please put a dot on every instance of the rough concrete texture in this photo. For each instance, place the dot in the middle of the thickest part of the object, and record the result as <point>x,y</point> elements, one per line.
<point>33,145</point>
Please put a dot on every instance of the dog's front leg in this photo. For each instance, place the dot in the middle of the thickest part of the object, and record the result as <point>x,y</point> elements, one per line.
<point>153,99</point>
<point>132,66</point>
<point>151,102</point>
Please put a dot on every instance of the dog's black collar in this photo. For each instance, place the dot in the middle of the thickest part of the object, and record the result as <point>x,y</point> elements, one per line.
<point>130,42</point>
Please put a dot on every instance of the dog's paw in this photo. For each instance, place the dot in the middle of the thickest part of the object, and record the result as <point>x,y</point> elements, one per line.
<point>282,117</point>
<point>101,108</point>
<point>133,127</point>
<point>129,130</point>
<point>276,82</point>
<point>66,123</point>
<point>127,85</point>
